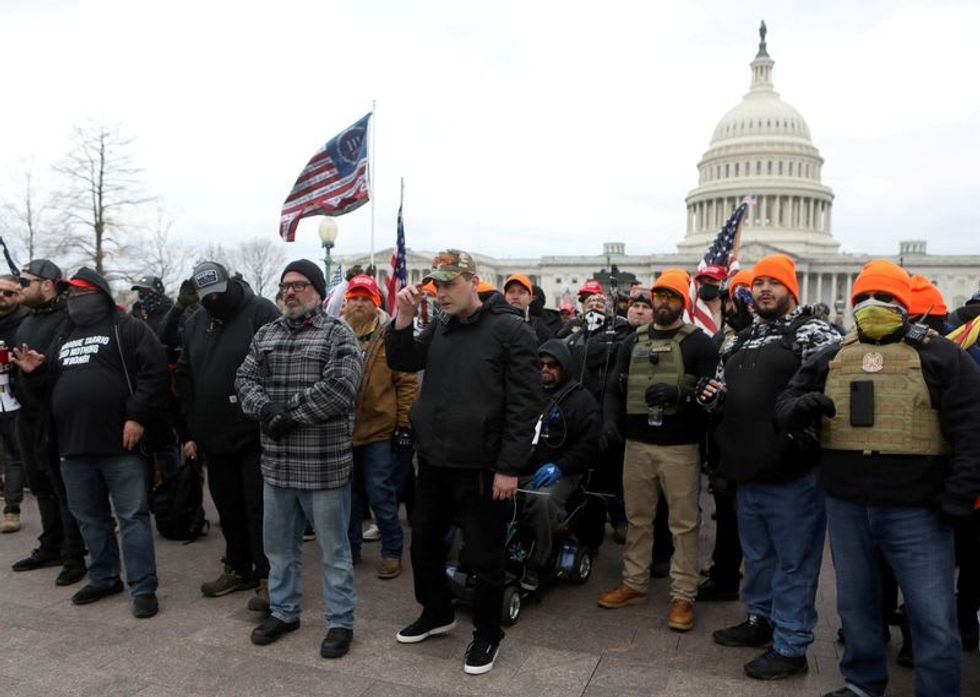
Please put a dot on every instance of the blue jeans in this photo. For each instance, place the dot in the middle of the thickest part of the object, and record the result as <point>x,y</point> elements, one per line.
<point>919,548</point>
<point>374,475</point>
<point>284,518</point>
<point>91,481</point>
<point>782,528</point>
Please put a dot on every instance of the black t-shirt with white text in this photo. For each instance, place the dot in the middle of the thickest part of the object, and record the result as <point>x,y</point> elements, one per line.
<point>90,392</point>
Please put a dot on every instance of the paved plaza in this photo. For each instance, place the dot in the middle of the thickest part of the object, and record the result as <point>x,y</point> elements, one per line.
<point>566,646</point>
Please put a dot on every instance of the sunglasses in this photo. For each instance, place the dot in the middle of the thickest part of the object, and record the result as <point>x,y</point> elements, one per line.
<point>26,282</point>
<point>295,286</point>
<point>880,296</point>
<point>550,364</point>
<point>666,296</point>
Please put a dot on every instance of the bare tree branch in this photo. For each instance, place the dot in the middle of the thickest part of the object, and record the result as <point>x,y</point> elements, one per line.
<point>260,262</point>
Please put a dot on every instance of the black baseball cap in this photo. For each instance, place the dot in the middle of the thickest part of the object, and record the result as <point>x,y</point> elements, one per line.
<point>43,268</point>
<point>152,283</point>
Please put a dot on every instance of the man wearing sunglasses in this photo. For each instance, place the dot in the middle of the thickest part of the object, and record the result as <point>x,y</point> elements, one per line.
<point>565,446</point>
<point>60,542</point>
<point>12,313</point>
<point>299,380</point>
<point>651,393</point>
<point>897,409</point>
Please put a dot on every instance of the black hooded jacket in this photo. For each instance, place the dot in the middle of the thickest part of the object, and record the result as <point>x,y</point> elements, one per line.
<point>205,374</point>
<point>570,421</point>
<point>481,394</point>
<point>41,326</point>
<point>103,374</point>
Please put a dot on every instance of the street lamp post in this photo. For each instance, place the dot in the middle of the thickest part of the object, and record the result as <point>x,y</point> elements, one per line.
<point>328,235</point>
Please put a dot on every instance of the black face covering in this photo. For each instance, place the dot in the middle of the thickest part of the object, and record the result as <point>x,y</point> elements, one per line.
<point>223,305</point>
<point>87,309</point>
<point>708,292</point>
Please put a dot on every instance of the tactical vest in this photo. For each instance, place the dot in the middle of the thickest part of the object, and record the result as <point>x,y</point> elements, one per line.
<point>904,421</point>
<point>667,367</point>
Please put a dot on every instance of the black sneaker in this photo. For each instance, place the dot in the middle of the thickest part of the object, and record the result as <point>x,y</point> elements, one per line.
<point>755,631</point>
<point>37,560</point>
<point>711,590</point>
<point>271,630</point>
<point>336,643</point>
<point>424,627</point>
<point>773,665</point>
<point>145,606</point>
<point>70,574</point>
<point>90,593</point>
<point>480,655</point>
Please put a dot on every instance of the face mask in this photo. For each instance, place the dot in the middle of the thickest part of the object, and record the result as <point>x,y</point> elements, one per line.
<point>151,302</point>
<point>876,320</point>
<point>222,305</point>
<point>594,320</point>
<point>708,292</point>
<point>87,309</point>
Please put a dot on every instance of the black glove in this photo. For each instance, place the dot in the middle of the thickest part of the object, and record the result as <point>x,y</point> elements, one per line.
<point>610,435</point>
<point>814,404</point>
<point>661,394</point>
<point>954,511</point>
<point>274,421</point>
<point>401,440</point>
<point>187,295</point>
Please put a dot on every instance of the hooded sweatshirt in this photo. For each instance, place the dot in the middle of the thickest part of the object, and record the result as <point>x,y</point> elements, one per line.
<point>570,420</point>
<point>91,397</point>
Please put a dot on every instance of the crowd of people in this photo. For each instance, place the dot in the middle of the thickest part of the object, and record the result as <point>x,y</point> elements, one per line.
<point>472,397</point>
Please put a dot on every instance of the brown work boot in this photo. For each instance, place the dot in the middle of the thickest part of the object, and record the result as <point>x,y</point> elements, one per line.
<point>621,596</point>
<point>681,615</point>
<point>390,567</point>
<point>11,523</point>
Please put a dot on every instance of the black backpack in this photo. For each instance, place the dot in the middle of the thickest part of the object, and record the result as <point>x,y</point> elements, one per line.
<point>177,503</point>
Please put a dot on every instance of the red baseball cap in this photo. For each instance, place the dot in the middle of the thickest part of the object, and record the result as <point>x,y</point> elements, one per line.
<point>719,273</point>
<point>591,287</point>
<point>363,286</point>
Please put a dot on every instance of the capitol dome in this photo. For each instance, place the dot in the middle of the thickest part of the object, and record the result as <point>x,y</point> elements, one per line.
<point>762,148</point>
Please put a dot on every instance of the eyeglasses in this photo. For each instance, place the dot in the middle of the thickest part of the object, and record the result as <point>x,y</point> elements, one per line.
<point>880,296</point>
<point>9,293</point>
<point>550,364</point>
<point>295,286</point>
<point>667,296</point>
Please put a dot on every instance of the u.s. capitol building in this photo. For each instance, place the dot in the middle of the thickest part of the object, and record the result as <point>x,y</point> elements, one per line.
<point>761,147</point>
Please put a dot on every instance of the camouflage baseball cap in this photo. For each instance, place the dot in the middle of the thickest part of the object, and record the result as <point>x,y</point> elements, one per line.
<point>449,264</point>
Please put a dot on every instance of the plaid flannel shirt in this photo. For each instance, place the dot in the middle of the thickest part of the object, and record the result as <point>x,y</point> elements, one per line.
<point>315,373</point>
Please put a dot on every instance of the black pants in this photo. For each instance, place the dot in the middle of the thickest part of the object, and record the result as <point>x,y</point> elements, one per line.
<point>42,467</point>
<point>726,559</point>
<point>967,537</point>
<point>444,497</point>
<point>235,482</point>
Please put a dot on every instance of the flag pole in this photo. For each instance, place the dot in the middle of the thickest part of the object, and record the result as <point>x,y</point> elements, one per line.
<point>374,116</point>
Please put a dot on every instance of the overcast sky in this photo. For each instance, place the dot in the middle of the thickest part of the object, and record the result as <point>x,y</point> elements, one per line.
<point>521,127</point>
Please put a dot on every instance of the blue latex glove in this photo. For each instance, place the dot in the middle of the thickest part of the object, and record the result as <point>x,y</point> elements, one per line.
<point>546,475</point>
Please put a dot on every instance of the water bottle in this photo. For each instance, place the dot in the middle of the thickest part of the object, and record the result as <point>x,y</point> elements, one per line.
<point>655,417</point>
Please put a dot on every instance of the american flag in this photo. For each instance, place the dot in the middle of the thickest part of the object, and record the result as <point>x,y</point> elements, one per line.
<point>397,272</point>
<point>722,253</point>
<point>334,182</point>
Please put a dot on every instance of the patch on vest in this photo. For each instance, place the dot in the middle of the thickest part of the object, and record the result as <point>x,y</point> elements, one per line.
<point>872,362</point>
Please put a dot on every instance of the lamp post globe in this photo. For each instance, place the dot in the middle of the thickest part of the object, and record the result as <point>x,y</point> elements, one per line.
<point>328,235</point>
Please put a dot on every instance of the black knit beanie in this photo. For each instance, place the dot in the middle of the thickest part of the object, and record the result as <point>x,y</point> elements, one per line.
<point>311,270</point>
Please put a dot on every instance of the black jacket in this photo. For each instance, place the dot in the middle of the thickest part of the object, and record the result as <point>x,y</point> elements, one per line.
<point>165,323</point>
<point>205,375</point>
<point>481,393</point>
<point>594,353</point>
<point>953,380</point>
<point>570,422</point>
<point>9,324</point>
<point>37,330</point>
